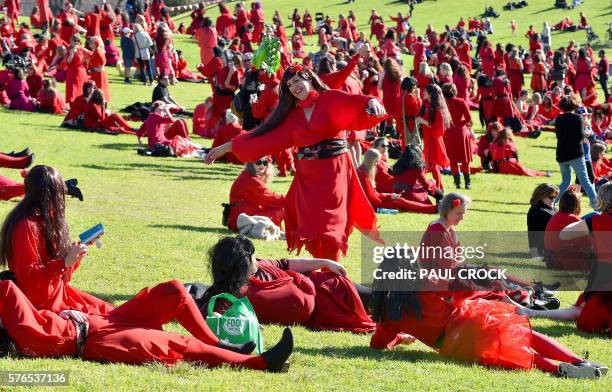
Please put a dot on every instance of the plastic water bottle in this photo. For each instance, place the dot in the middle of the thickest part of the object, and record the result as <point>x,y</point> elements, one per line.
<point>386,211</point>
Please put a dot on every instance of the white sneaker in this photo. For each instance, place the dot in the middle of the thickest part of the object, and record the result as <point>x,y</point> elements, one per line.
<point>578,371</point>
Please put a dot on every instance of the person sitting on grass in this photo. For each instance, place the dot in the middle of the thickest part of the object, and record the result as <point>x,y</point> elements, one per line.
<point>96,117</point>
<point>540,213</point>
<point>74,117</point>
<point>161,93</point>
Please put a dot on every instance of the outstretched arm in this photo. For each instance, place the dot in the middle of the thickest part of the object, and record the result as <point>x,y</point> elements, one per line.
<point>308,265</point>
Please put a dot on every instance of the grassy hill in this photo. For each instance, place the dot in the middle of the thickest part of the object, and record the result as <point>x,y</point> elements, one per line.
<point>162,215</point>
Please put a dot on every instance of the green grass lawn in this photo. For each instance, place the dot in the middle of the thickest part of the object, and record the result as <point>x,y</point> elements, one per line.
<point>162,215</point>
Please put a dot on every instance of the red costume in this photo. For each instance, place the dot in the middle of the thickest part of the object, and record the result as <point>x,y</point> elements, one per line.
<point>162,130</point>
<point>92,24</point>
<point>76,75</point>
<point>207,40</point>
<point>225,23</point>
<point>515,74</point>
<point>97,72</point>
<point>50,102</point>
<point>391,96</point>
<point>131,333</point>
<point>250,195</point>
<point>538,77</point>
<point>458,137</point>
<point>413,185</point>
<point>10,188</point>
<point>383,180</point>
<point>596,314</point>
<point>224,134</point>
<point>385,200</point>
<point>405,119</point>
<point>502,104</point>
<point>321,210</point>
<point>319,300</point>
<point>584,75</point>
<point>487,58</point>
<point>504,157</point>
<point>95,118</point>
<point>434,150</point>
<point>44,280</point>
<point>565,255</point>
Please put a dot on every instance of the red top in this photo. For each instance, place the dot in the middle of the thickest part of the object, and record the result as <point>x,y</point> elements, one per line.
<point>92,24</point>
<point>557,223</point>
<point>601,226</point>
<point>375,198</point>
<point>224,134</point>
<point>411,176</point>
<point>77,108</point>
<point>93,116</point>
<point>499,152</point>
<point>384,180</point>
<point>44,280</point>
<point>391,96</point>
<point>335,80</point>
<point>155,126</point>
<point>412,105</point>
<point>266,103</point>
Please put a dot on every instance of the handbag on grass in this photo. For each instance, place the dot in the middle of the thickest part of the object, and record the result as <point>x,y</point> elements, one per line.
<point>238,324</point>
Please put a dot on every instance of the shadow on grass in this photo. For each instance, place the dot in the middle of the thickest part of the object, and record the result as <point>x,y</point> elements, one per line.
<point>567,328</point>
<point>510,203</point>
<point>497,212</point>
<point>177,173</point>
<point>544,10</point>
<point>365,352</point>
<point>118,146</point>
<point>113,298</point>
<point>198,229</point>
<point>545,147</point>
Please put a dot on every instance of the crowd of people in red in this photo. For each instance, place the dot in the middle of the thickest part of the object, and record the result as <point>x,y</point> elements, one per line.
<point>332,119</point>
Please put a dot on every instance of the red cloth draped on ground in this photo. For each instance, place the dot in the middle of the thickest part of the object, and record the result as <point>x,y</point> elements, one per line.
<point>434,150</point>
<point>538,77</point>
<point>288,290</point>
<point>335,80</point>
<point>490,333</point>
<point>596,315</point>
<point>412,105</point>
<point>13,162</point>
<point>384,180</point>
<point>225,133</point>
<point>97,72</point>
<point>10,188</point>
<point>76,75</point>
<point>504,157</point>
<point>413,185</point>
<point>325,199</point>
<point>566,255</point>
<point>253,197</point>
<point>44,280</point>
<point>133,333</point>
<point>458,138</point>
<point>95,118</point>
<point>207,40</point>
<point>50,102</point>
<point>384,200</point>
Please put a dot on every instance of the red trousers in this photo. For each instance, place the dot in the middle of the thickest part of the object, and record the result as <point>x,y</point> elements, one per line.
<point>10,189</point>
<point>548,351</point>
<point>13,163</point>
<point>177,128</point>
<point>131,333</point>
<point>115,123</point>
<point>457,167</point>
<point>406,205</point>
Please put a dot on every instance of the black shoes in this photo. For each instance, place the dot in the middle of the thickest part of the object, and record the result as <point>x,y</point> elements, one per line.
<point>73,190</point>
<point>276,357</point>
<point>23,153</point>
<point>241,348</point>
<point>468,181</point>
<point>457,179</point>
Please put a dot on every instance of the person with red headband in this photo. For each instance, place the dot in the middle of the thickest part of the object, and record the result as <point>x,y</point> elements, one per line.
<point>325,200</point>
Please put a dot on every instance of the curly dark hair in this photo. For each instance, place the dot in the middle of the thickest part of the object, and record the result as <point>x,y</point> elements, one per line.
<point>229,261</point>
<point>411,158</point>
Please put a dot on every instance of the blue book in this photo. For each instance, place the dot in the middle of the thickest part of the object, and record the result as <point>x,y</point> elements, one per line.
<point>92,234</point>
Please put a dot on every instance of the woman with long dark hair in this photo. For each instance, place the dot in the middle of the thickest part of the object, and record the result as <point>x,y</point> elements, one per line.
<point>409,177</point>
<point>323,300</point>
<point>458,137</point>
<point>36,245</point>
<point>325,200</point>
<point>435,119</point>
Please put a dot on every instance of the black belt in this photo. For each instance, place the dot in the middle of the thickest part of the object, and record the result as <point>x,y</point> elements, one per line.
<point>81,329</point>
<point>326,149</point>
<point>502,96</point>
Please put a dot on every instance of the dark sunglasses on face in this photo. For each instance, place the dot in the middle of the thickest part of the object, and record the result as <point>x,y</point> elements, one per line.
<point>385,146</point>
<point>261,163</point>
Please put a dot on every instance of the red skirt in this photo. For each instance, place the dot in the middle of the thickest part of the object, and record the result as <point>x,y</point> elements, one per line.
<point>513,166</point>
<point>490,333</point>
<point>434,150</point>
<point>458,143</point>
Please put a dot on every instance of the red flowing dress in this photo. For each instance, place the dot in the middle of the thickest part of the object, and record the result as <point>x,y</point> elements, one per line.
<point>76,75</point>
<point>44,280</point>
<point>225,133</point>
<point>97,62</point>
<point>405,119</point>
<point>458,138</point>
<point>250,195</point>
<point>504,157</point>
<point>207,40</point>
<point>319,300</point>
<point>384,180</point>
<point>434,150</point>
<point>325,199</point>
<point>413,185</point>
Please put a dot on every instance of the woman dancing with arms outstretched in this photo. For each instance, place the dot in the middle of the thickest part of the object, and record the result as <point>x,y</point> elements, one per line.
<point>325,199</point>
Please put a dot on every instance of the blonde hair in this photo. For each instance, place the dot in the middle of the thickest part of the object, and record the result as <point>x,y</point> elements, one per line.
<point>536,98</point>
<point>446,205</point>
<point>370,159</point>
<point>424,69</point>
<point>446,68</point>
<point>604,197</point>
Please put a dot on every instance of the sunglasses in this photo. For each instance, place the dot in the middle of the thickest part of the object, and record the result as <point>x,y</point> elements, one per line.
<point>261,163</point>
<point>385,146</point>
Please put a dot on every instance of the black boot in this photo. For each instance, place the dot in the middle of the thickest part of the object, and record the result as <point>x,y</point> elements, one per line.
<point>240,348</point>
<point>20,154</point>
<point>468,181</point>
<point>276,357</point>
<point>457,178</point>
<point>73,190</point>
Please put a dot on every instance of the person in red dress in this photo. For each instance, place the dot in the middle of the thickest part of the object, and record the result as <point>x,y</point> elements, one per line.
<point>389,83</point>
<point>539,75</point>
<point>367,177</point>
<point>95,65</point>
<point>458,137</point>
<point>584,73</point>
<point>225,23</point>
<point>307,22</point>
<point>34,80</point>
<point>487,59</point>
<point>74,117</point>
<point>409,177</point>
<point>97,117</point>
<point>250,195</point>
<point>321,300</point>
<point>49,100</point>
<point>484,95</point>
<point>132,334</point>
<point>37,247</point>
<point>161,128</point>
<point>321,210</point>
<point>504,156</point>
<point>383,179</point>
<point>76,75</point>
<point>228,129</point>
<point>197,16</point>
<point>515,73</point>
<point>256,17</point>
<point>409,107</point>
<point>92,22</point>
<point>434,118</point>
<point>107,20</point>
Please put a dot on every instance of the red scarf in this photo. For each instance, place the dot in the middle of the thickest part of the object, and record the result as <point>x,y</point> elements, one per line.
<point>310,100</point>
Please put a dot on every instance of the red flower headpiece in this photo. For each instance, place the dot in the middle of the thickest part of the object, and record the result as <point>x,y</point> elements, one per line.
<point>295,68</point>
<point>456,203</point>
<point>572,188</point>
